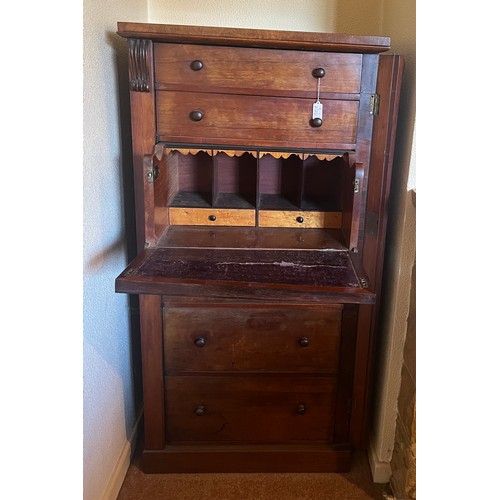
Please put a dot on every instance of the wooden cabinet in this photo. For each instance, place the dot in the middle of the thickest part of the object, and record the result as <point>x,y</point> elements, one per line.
<point>262,166</point>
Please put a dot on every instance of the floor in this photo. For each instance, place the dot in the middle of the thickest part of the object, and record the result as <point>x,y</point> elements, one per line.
<point>355,485</point>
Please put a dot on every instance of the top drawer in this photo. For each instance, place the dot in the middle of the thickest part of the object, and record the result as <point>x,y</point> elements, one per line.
<point>261,71</point>
<point>239,339</point>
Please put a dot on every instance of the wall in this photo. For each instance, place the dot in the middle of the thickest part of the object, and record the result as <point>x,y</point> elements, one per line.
<point>404,461</point>
<point>298,15</point>
<point>109,410</point>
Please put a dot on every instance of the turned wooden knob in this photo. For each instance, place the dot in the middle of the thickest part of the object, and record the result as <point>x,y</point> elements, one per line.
<point>301,409</point>
<point>315,122</point>
<point>196,115</point>
<point>196,65</point>
<point>304,341</point>
<point>200,342</point>
<point>200,410</point>
<point>319,73</point>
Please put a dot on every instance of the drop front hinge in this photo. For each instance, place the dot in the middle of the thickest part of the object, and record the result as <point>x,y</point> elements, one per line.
<point>152,173</point>
<point>374,102</point>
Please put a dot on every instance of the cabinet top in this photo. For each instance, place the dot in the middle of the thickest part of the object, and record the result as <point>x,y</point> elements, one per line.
<point>299,40</point>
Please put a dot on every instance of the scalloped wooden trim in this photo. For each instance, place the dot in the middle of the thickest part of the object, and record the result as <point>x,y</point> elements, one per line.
<point>320,156</point>
<point>235,152</point>
<point>280,154</point>
<point>161,149</point>
<point>185,151</point>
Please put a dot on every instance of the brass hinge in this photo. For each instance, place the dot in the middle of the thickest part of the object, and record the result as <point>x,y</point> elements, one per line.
<point>374,102</point>
<point>356,185</point>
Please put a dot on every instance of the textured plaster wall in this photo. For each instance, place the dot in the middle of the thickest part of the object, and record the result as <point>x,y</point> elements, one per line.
<point>358,17</point>
<point>298,15</point>
<point>108,397</point>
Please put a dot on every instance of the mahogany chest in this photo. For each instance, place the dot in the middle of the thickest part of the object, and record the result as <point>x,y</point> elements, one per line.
<point>262,166</point>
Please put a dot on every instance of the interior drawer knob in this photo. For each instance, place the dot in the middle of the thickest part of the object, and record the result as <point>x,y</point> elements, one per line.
<point>200,410</point>
<point>196,65</point>
<point>196,115</point>
<point>301,409</point>
<point>300,219</point>
<point>212,217</point>
<point>319,73</point>
<point>200,342</point>
<point>304,341</point>
<point>315,122</point>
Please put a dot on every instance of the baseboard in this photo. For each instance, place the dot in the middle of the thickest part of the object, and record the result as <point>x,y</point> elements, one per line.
<point>381,471</point>
<point>120,471</point>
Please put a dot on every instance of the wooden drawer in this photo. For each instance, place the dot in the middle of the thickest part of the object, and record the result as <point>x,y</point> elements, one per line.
<point>211,217</point>
<point>252,339</point>
<point>250,408</point>
<point>285,218</point>
<point>253,120</point>
<point>265,71</point>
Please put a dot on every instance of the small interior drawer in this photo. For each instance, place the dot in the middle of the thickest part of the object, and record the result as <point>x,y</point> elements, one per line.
<point>265,71</point>
<point>205,118</point>
<point>279,218</point>
<point>246,408</point>
<point>211,217</point>
<point>252,339</point>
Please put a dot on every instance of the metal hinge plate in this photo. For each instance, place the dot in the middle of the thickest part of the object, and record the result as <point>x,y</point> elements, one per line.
<point>374,102</point>
<point>152,173</point>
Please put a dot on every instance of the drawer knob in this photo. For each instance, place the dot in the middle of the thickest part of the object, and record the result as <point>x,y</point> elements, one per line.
<point>301,409</point>
<point>200,342</point>
<point>304,341</point>
<point>319,73</point>
<point>196,65</point>
<point>200,410</point>
<point>316,122</point>
<point>196,115</point>
<point>300,219</point>
<point>212,217</point>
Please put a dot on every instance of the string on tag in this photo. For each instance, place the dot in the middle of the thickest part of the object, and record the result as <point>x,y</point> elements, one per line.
<point>317,111</point>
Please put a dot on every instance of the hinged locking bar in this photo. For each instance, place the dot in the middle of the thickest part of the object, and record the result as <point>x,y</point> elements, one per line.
<point>374,103</point>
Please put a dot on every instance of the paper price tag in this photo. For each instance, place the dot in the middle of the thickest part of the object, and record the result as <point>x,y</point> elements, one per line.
<point>317,110</point>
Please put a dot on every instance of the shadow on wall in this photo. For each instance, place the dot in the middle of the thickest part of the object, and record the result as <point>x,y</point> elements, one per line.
<point>357,18</point>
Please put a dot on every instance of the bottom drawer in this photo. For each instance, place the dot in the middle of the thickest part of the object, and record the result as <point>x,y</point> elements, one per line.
<point>250,408</point>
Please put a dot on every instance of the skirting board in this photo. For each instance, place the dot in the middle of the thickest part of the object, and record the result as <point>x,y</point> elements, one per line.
<point>123,463</point>
<point>381,471</point>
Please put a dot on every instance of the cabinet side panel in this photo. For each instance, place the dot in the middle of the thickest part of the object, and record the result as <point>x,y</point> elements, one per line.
<point>152,371</point>
<point>142,109</point>
<point>384,138</point>
<point>384,131</point>
<point>345,376</point>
